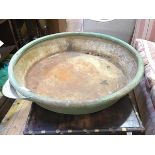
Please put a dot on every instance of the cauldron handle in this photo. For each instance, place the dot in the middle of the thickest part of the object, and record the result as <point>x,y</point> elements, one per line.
<point>9,91</point>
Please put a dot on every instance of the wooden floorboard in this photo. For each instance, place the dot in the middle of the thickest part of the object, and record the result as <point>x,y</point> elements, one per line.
<point>2,100</point>
<point>14,121</point>
<point>5,104</point>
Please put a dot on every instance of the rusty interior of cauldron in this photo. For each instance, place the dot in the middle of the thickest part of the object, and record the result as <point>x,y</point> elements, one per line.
<point>75,68</point>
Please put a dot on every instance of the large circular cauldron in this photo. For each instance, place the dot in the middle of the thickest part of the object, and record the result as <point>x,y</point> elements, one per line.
<point>75,97</point>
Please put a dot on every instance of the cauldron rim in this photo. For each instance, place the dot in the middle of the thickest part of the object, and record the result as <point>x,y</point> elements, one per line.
<point>91,103</point>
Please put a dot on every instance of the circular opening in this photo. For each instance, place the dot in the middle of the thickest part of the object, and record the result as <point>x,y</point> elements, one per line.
<point>116,95</point>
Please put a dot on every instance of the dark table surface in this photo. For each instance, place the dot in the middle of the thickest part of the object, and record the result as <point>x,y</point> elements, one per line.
<point>121,118</point>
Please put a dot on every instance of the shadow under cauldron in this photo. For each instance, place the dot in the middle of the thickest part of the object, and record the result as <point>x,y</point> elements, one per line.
<point>112,117</point>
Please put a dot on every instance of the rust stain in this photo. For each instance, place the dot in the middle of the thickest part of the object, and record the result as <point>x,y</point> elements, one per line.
<point>73,76</point>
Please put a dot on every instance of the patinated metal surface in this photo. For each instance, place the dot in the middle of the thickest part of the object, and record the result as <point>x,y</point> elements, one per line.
<point>112,49</point>
<point>72,75</point>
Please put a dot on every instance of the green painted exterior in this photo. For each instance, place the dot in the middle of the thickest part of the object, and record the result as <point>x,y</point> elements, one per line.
<point>69,107</point>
